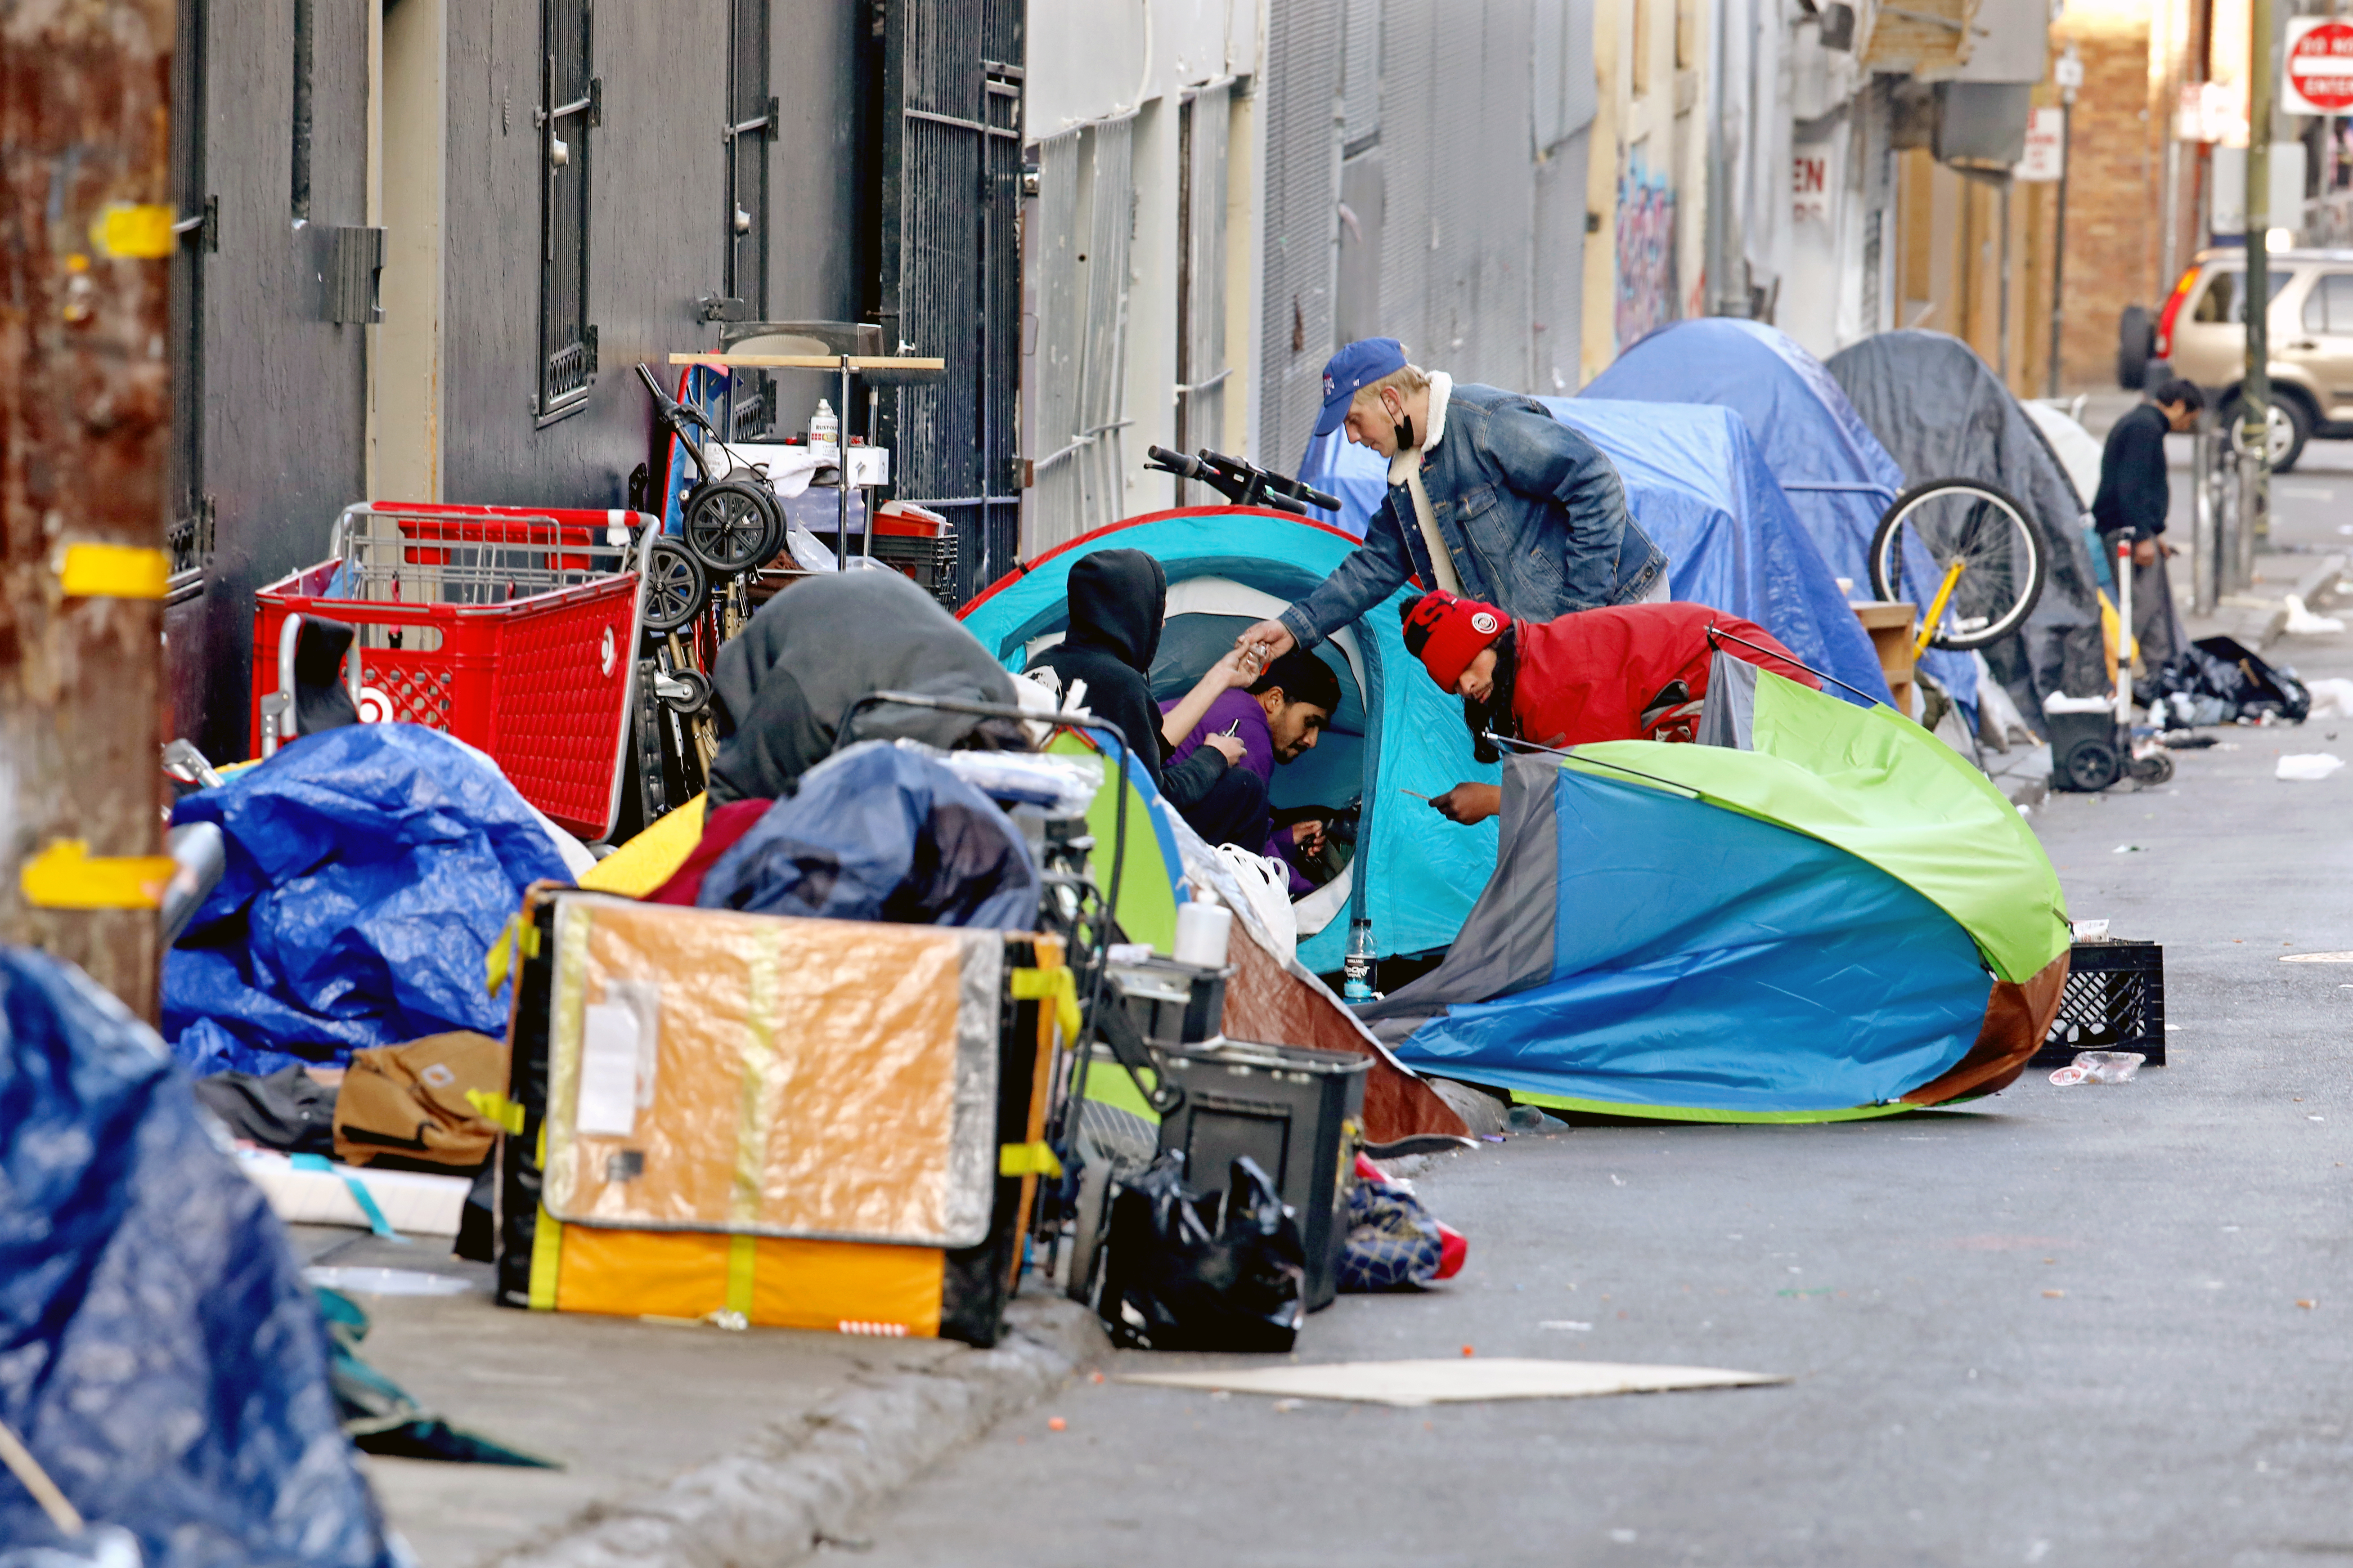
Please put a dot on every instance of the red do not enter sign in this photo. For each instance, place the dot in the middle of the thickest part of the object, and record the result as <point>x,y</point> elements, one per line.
<point>2320,68</point>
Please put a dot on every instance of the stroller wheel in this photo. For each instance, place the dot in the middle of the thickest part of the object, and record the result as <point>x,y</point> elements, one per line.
<point>732,526</point>
<point>676,588</point>
<point>687,691</point>
<point>2157,768</point>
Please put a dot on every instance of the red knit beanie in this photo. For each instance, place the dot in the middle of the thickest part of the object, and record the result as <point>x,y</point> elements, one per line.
<point>1446,631</point>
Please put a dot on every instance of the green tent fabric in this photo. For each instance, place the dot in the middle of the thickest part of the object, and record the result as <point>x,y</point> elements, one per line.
<point>1864,780</point>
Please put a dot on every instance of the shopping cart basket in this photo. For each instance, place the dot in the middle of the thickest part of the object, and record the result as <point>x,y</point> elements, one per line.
<point>512,628</point>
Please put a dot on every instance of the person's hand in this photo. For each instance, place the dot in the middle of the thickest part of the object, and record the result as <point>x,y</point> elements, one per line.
<point>1309,836</point>
<point>1227,746</point>
<point>1469,803</point>
<point>1271,639</point>
<point>1233,670</point>
<point>2144,552</point>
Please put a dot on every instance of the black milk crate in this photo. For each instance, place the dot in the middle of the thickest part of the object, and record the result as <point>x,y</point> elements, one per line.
<point>2114,1000</point>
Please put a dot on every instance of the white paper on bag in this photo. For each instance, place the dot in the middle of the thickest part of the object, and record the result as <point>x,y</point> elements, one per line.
<point>610,1040</point>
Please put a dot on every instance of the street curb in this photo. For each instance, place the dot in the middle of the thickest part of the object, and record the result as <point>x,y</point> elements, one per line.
<point>800,1483</point>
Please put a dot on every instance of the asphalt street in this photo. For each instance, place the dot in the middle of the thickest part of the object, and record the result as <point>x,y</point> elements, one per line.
<point>2090,1325</point>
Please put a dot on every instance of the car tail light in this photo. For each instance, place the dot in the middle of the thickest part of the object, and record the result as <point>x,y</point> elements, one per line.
<point>2172,308</point>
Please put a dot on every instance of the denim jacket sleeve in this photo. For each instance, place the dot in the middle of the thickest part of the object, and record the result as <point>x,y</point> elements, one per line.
<point>1372,572</point>
<point>1544,459</point>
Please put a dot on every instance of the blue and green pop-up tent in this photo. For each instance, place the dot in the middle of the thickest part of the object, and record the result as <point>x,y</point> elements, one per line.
<point>1395,731</point>
<point>1828,913</point>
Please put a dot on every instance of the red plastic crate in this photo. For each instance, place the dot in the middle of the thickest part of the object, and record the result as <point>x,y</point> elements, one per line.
<point>537,671</point>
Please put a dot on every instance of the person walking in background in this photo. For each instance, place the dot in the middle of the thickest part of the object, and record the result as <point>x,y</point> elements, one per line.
<point>2132,502</point>
<point>1489,495</point>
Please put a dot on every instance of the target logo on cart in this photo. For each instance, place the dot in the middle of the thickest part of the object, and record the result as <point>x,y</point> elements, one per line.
<point>2318,64</point>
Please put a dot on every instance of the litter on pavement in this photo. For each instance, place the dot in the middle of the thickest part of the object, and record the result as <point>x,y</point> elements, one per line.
<point>1450,1379</point>
<point>2308,767</point>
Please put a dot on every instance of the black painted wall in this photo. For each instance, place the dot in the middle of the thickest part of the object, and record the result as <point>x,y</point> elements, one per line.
<point>283,392</point>
<point>657,229</point>
<point>281,420</point>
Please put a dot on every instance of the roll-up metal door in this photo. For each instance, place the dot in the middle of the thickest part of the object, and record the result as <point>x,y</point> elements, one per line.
<point>951,281</point>
<point>1301,208</point>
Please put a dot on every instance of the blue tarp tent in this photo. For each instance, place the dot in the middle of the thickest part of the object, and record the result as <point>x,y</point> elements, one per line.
<point>1696,483</point>
<point>1838,477</point>
<point>1396,731</point>
<point>370,868</point>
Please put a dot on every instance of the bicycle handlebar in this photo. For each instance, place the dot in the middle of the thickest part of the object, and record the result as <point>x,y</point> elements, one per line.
<point>1244,484</point>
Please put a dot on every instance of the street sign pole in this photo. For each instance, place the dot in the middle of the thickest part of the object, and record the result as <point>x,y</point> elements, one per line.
<point>2069,73</point>
<point>2255,394</point>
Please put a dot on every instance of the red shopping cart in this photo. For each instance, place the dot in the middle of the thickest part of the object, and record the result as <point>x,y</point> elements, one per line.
<point>512,628</point>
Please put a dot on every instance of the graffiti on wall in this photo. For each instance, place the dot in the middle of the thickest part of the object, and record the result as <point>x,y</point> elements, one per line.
<point>1646,251</point>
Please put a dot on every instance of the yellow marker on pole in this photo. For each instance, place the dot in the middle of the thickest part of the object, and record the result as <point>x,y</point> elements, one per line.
<point>65,876</point>
<point>143,232</point>
<point>114,571</point>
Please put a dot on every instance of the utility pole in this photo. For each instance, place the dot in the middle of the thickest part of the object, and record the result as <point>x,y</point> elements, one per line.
<point>2255,395</point>
<point>85,410</point>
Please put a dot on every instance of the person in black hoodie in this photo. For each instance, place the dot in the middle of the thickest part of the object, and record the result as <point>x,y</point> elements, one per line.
<point>1118,600</point>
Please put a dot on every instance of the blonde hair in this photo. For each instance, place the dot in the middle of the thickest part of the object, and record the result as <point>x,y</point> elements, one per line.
<point>1411,379</point>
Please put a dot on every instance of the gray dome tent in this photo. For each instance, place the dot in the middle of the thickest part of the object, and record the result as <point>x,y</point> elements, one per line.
<point>1941,413</point>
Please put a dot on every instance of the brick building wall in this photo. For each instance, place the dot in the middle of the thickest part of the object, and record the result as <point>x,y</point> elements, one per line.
<point>2115,194</point>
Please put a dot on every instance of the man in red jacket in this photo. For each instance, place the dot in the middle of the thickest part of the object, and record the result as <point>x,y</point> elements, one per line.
<point>1625,672</point>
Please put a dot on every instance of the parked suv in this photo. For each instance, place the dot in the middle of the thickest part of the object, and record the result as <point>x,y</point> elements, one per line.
<point>2201,334</point>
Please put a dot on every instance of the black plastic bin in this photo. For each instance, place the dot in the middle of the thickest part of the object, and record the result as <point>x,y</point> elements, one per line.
<point>2114,1000</point>
<point>1296,1111</point>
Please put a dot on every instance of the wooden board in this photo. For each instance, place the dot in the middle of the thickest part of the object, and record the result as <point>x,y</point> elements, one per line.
<point>1890,626</point>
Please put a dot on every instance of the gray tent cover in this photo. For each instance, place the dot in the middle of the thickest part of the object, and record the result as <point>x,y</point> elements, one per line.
<point>1942,413</point>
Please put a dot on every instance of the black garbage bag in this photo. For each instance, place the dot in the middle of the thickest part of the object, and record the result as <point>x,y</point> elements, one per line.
<point>2222,680</point>
<point>1187,1272</point>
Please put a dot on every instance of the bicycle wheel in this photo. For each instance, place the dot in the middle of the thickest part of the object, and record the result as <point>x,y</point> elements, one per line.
<point>676,589</point>
<point>1934,528</point>
<point>732,526</point>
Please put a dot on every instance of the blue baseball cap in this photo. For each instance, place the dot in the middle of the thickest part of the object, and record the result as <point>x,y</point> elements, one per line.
<point>1347,373</point>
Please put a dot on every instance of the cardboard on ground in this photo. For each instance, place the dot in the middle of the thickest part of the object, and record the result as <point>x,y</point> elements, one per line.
<point>1446,1382</point>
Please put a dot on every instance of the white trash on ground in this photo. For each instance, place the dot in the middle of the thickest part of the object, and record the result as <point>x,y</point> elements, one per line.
<point>2100,1067</point>
<point>2303,623</point>
<point>2332,697</point>
<point>2309,767</point>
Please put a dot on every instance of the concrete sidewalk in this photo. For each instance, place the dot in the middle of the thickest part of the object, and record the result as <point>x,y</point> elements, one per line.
<point>679,1444</point>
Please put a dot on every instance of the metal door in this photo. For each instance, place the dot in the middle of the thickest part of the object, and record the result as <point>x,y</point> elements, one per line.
<point>951,281</point>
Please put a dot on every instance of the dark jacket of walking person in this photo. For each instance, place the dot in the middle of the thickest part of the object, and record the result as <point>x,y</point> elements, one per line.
<point>1489,495</point>
<point>2132,502</point>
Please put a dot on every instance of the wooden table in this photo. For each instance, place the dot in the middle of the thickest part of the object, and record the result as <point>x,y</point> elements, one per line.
<point>1892,627</point>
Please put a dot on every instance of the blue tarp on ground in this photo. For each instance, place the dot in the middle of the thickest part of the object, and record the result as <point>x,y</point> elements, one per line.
<point>370,868</point>
<point>159,1354</point>
<point>1696,483</point>
<point>1839,479</point>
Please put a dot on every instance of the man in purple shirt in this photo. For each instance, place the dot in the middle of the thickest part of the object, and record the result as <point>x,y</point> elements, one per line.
<point>1280,714</point>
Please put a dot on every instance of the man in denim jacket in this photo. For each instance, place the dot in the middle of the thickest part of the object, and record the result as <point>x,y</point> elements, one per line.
<point>1489,496</point>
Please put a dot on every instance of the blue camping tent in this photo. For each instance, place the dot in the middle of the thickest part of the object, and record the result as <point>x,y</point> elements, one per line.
<point>1696,483</point>
<point>1838,477</point>
<point>1396,731</point>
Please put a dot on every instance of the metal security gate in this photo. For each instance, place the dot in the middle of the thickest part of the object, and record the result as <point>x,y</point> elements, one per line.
<point>951,282</point>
